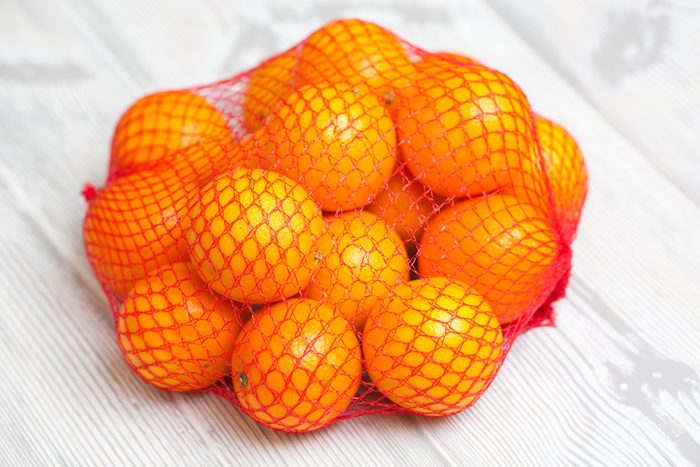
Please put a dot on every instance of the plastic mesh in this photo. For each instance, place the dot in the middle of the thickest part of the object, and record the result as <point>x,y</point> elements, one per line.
<point>354,226</point>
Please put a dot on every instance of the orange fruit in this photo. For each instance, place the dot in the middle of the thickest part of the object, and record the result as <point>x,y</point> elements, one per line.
<point>337,140</point>
<point>433,347</point>
<point>296,366</point>
<point>136,224</point>
<point>353,50</point>
<point>201,161</point>
<point>254,235</point>
<point>405,205</point>
<point>436,62</point>
<point>466,130</point>
<point>364,260</point>
<point>247,153</point>
<point>157,126</point>
<point>268,83</point>
<point>503,248</point>
<point>174,333</point>
<point>255,150</point>
<point>455,58</point>
<point>566,171</point>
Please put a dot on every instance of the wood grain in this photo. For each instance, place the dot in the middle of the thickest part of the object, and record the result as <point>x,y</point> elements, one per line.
<point>615,383</point>
<point>634,61</point>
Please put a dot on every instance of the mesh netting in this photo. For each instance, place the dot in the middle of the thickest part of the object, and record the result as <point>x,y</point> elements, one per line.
<point>354,226</point>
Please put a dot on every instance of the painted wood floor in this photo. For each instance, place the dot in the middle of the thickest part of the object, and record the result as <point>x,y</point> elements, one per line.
<point>615,383</point>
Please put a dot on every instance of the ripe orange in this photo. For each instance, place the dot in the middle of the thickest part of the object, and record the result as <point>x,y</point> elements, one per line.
<point>364,260</point>
<point>296,366</point>
<point>269,82</point>
<point>201,161</point>
<point>348,50</point>
<point>498,245</point>
<point>174,333</point>
<point>431,63</point>
<point>254,235</point>
<point>566,170</point>
<point>254,148</point>
<point>465,130</point>
<point>433,347</point>
<point>405,205</point>
<point>157,126</point>
<point>338,141</point>
<point>136,224</point>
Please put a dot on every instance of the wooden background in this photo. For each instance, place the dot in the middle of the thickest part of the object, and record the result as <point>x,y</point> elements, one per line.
<point>616,382</point>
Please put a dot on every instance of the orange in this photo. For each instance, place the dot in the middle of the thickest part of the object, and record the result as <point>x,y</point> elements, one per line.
<point>268,83</point>
<point>364,261</point>
<point>566,171</point>
<point>465,130</point>
<point>252,149</point>
<point>498,245</point>
<point>436,62</point>
<point>296,366</point>
<point>351,50</point>
<point>455,58</point>
<point>157,126</point>
<point>254,235</point>
<point>174,333</point>
<point>201,161</point>
<point>337,140</point>
<point>405,205</point>
<point>433,347</point>
<point>134,225</point>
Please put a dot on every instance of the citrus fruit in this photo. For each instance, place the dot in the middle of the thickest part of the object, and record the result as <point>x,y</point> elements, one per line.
<point>158,125</point>
<point>455,58</point>
<point>566,171</point>
<point>431,63</point>
<point>174,332</point>
<point>337,140</point>
<point>405,205</point>
<point>365,259</point>
<point>465,130</point>
<point>252,147</point>
<point>201,161</point>
<point>269,82</point>
<point>433,347</point>
<point>296,365</point>
<point>353,50</point>
<point>498,245</point>
<point>254,235</point>
<point>136,224</point>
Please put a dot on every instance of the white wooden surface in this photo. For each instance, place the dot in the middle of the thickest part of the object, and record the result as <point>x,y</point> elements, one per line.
<point>636,61</point>
<point>615,383</point>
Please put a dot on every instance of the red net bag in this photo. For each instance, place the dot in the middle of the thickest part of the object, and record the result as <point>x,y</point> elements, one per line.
<point>354,226</point>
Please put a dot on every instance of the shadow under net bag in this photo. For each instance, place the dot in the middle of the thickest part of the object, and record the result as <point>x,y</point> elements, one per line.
<point>354,226</point>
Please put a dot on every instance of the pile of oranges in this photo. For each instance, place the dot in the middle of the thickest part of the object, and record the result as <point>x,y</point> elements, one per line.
<point>354,224</point>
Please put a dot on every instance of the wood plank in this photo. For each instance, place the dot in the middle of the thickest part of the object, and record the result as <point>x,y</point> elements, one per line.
<point>585,392</point>
<point>634,61</point>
